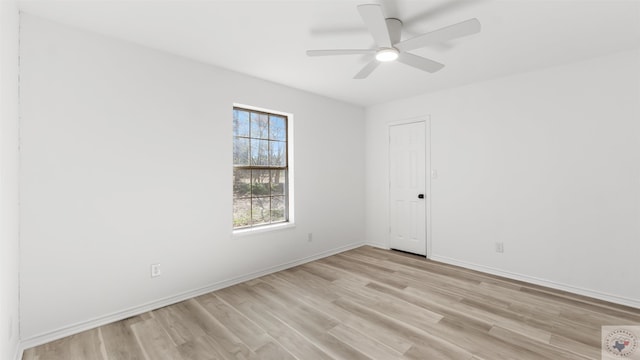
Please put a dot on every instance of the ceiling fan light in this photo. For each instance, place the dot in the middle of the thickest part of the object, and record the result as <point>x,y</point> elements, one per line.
<point>385,55</point>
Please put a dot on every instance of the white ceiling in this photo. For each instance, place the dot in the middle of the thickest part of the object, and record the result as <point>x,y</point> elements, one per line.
<point>268,39</point>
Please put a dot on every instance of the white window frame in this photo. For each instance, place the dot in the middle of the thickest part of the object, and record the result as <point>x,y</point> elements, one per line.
<point>290,181</point>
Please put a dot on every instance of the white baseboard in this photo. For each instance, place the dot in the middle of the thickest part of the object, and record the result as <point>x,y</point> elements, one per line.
<point>137,310</point>
<point>533,280</point>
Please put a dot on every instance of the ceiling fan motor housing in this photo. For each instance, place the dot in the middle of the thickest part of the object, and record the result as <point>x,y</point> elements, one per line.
<point>387,54</point>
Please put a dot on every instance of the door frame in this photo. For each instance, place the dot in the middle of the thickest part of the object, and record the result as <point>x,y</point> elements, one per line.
<point>426,119</point>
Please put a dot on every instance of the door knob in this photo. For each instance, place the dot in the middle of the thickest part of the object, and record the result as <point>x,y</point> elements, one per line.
<point>420,196</point>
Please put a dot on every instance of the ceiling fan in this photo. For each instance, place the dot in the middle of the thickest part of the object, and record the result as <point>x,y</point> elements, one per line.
<point>387,36</point>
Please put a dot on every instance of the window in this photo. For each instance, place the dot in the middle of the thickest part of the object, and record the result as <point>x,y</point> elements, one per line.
<point>260,168</point>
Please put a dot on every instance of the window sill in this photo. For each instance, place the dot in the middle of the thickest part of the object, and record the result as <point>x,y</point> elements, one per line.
<point>262,229</point>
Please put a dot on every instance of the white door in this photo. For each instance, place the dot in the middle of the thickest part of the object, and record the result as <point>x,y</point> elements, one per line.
<point>407,151</point>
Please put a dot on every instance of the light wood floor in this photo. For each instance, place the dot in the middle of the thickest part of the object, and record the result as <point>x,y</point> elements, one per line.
<point>361,304</point>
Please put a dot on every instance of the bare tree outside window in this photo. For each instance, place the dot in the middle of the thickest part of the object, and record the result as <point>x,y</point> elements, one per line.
<point>260,168</point>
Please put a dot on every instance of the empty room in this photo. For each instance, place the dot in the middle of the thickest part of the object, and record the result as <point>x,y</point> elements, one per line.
<point>319,179</point>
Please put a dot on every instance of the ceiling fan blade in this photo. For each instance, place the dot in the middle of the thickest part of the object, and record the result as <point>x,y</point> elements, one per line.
<point>340,52</point>
<point>468,27</point>
<point>374,19</point>
<point>367,69</point>
<point>419,62</point>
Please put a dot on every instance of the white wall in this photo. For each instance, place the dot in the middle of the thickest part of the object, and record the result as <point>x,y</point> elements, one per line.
<point>547,162</point>
<point>9,225</point>
<point>126,161</point>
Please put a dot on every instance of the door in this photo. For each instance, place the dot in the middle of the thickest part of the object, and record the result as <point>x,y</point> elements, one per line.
<point>407,153</point>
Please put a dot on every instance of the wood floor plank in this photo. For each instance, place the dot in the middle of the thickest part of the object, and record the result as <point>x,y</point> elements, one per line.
<point>218,332</point>
<point>154,341</point>
<point>273,351</point>
<point>437,350</point>
<point>427,302</point>
<point>313,285</point>
<point>290,339</point>
<point>85,345</point>
<point>414,335</point>
<point>481,343</point>
<point>387,278</point>
<point>366,303</point>
<point>364,325</point>
<point>363,343</point>
<point>201,348</point>
<point>252,335</point>
<point>576,347</point>
<point>308,321</point>
<point>179,323</point>
<point>545,351</point>
<point>120,342</point>
<point>346,318</point>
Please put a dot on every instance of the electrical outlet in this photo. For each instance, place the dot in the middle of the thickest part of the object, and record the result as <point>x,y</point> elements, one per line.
<point>309,237</point>
<point>499,247</point>
<point>155,270</point>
